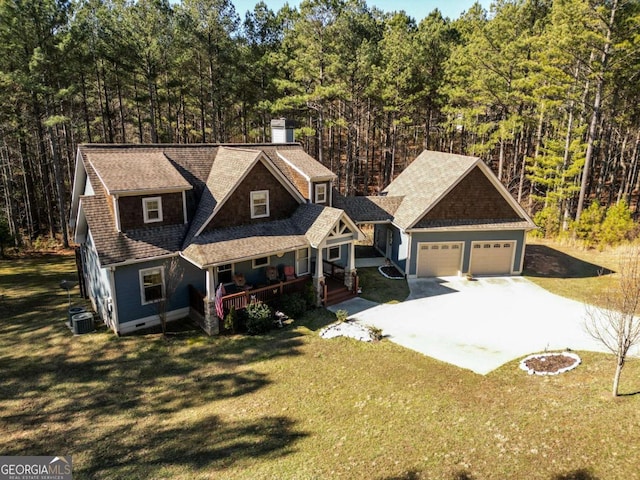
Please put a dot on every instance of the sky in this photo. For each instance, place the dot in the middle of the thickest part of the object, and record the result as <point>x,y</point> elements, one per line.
<point>418,9</point>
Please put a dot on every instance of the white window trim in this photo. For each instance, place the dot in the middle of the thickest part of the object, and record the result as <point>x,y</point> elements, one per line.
<point>333,259</point>
<point>145,209</point>
<point>321,190</point>
<point>258,265</point>
<point>218,271</point>
<point>254,194</point>
<point>307,266</point>
<point>142,273</point>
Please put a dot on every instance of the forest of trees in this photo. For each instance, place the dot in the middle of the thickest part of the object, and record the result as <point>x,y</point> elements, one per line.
<point>544,91</point>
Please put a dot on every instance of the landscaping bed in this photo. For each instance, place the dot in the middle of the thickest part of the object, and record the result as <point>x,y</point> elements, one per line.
<point>550,363</point>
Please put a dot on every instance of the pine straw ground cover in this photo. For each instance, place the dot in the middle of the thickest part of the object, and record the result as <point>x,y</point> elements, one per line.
<point>290,405</point>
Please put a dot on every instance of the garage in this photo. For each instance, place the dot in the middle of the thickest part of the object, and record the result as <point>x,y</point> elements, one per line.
<point>492,257</point>
<point>439,259</point>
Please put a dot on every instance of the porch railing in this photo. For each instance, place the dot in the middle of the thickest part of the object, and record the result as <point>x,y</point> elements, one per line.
<point>333,270</point>
<point>265,294</point>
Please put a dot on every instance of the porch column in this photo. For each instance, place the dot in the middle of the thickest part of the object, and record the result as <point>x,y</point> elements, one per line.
<point>318,276</point>
<point>351,268</point>
<point>211,320</point>
<point>210,284</point>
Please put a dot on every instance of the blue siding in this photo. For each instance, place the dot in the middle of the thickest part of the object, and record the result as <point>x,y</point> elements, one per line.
<point>399,247</point>
<point>128,293</point>
<point>467,238</point>
<point>344,255</point>
<point>258,276</point>
<point>96,279</point>
<point>379,237</point>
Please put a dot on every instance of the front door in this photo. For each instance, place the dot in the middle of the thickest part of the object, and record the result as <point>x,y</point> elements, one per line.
<point>389,244</point>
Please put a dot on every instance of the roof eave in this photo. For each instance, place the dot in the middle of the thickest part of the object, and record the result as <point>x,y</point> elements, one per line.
<point>147,191</point>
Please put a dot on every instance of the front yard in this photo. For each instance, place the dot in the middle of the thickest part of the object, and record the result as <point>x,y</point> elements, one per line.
<point>290,405</point>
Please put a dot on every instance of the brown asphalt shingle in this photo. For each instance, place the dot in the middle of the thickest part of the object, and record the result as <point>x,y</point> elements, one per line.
<point>309,225</point>
<point>131,171</point>
<point>368,209</point>
<point>115,247</point>
<point>305,163</point>
<point>424,182</point>
<point>229,167</point>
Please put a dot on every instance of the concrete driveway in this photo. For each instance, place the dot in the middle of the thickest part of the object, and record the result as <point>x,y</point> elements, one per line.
<point>480,324</point>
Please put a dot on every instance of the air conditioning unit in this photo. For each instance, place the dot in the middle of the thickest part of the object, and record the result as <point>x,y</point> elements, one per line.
<point>82,323</point>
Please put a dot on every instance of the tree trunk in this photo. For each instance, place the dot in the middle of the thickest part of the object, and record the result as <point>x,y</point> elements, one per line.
<point>595,116</point>
<point>535,156</point>
<point>616,377</point>
<point>59,189</point>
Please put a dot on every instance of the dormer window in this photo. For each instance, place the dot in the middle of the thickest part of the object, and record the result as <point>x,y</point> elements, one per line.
<point>321,193</point>
<point>152,209</point>
<point>260,204</point>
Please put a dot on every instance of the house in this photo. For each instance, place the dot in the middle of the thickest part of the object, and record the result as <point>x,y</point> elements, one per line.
<point>445,215</point>
<point>263,220</point>
<point>257,219</point>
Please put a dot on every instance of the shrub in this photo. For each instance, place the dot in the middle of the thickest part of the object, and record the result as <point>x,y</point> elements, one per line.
<point>259,318</point>
<point>375,332</point>
<point>342,315</point>
<point>548,219</point>
<point>231,320</point>
<point>617,225</point>
<point>293,305</point>
<point>588,227</point>
<point>310,295</point>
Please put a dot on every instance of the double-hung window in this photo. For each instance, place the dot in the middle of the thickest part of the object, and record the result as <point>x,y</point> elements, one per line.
<point>321,193</point>
<point>260,204</point>
<point>151,285</point>
<point>302,261</point>
<point>152,209</point>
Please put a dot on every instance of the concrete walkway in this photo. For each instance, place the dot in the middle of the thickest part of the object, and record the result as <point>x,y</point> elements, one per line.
<point>480,324</point>
<point>369,262</point>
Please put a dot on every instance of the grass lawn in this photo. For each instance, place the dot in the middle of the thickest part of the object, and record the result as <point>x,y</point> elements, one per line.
<point>380,289</point>
<point>570,271</point>
<point>290,405</point>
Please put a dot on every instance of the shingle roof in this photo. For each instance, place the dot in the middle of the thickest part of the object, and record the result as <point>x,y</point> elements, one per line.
<point>136,171</point>
<point>316,221</point>
<point>424,182</point>
<point>213,171</point>
<point>229,167</point>
<point>310,224</point>
<point>368,209</point>
<point>115,247</point>
<point>305,163</point>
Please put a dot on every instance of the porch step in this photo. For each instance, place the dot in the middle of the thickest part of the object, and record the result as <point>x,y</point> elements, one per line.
<point>338,295</point>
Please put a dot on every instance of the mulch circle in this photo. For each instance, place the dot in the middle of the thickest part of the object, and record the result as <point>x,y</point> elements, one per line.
<point>550,363</point>
<point>390,271</point>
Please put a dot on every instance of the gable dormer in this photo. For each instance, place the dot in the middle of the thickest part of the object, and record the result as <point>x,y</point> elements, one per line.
<point>261,196</point>
<point>311,178</point>
<point>143,188</point>
<point>243,187</point>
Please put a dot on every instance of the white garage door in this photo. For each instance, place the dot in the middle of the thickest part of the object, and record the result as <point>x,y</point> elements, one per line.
<point>492,258</point>
<point>439,259</point>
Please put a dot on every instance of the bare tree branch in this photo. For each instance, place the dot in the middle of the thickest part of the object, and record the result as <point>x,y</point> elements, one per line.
<point>614,323</point>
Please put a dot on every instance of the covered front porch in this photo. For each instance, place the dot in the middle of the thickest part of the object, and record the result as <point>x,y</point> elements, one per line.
<point>268,260</point>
